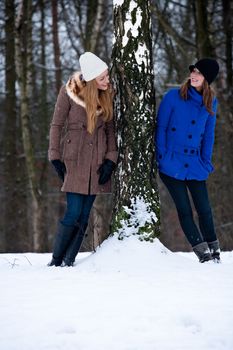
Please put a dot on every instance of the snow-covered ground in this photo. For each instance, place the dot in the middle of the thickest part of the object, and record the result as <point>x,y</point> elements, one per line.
<point>129,295</point>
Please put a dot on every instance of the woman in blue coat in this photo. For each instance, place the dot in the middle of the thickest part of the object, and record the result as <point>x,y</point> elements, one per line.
<point>184,144</point>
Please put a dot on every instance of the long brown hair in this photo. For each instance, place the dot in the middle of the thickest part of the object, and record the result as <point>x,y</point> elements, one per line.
<point>207,93</point>
<point>97,102</point>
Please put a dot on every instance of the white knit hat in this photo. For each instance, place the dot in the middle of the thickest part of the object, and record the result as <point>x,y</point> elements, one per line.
<point>91,66</point>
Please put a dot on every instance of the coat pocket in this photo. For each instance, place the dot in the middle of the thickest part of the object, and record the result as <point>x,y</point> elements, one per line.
<point>206,165</point>
<point>73,141</point>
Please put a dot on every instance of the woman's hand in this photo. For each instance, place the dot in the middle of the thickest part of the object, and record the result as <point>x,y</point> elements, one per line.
<point>105,171</point>
<point>60,168</point>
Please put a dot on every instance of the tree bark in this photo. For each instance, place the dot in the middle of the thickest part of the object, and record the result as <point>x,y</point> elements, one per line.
<point>95,20</point>
<point>204,45</point>
<point>56,46</point>
<point>24,76</point>
<point>135,185</point>
<point>14,219</point>
<point>227,14</point>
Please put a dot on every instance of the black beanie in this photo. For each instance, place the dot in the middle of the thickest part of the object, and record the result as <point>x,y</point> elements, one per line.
<point>208,67</point>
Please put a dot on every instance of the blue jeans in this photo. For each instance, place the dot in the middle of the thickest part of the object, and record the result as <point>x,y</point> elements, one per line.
<point>178,190</point>
<point>78,208</point>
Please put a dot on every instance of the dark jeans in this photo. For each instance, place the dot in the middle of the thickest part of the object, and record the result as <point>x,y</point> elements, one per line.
<point>78,208</point>
<point>178,190</point>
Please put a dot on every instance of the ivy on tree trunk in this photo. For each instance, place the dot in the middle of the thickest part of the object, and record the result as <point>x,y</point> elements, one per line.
<point>136,193</point>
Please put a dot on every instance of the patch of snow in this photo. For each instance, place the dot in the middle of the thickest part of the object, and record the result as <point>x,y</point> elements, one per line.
<point>129,295</point>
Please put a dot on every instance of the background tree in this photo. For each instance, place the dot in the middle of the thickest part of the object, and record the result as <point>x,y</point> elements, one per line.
<point>24,77</point>
<point>56,46</point>
<point>14,206</point>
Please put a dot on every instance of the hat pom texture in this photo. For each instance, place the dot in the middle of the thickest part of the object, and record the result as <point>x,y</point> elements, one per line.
<point>208,67</point>
<point>91,66</point>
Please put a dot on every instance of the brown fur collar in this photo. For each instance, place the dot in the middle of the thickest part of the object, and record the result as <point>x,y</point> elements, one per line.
<point>73,87</point>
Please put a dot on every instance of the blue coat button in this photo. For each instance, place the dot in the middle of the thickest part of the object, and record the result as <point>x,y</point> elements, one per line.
<point>186,165</point>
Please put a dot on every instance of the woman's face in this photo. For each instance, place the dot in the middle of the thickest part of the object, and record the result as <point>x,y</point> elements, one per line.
<point>102,80</point>
<point>196,79</point>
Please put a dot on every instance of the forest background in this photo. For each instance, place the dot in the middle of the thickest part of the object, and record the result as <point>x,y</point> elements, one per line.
<point>41,42</point>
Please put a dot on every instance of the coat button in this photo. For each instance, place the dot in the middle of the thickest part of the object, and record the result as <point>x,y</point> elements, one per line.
<point>173,129</point>
<point>192,151</point>
<point>185,150</point>
<point>68,141</point>
<point>201,135</point>
<point>193,121</point>
<point>190,136</point>
<point>91,144</point>
<point>160,156</point>
<point>186,165</point>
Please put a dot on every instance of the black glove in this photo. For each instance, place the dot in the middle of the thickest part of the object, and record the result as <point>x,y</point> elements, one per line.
<point>59,167</point>
<point>105,171</point>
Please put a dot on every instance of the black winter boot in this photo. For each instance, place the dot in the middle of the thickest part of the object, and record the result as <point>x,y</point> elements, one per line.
<point>75,245</point>
<point>202,251</point>
<point>62,240</point>
<point>215,250</point>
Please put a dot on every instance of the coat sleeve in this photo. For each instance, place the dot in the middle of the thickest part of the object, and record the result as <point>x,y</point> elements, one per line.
<point>112,152</point>
<point>163,118</point>
<point>208,139</point>
<point>59,118</point>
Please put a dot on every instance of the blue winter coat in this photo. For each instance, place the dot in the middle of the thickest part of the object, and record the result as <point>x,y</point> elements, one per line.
<point>185,136</point>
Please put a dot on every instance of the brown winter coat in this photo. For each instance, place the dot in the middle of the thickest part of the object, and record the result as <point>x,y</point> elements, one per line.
<point>82,152</point>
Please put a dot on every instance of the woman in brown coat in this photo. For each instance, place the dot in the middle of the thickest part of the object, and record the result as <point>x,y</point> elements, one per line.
<point>87,157</point>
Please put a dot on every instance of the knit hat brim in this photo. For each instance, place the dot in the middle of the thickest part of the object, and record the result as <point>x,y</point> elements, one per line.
<point>191,67</point>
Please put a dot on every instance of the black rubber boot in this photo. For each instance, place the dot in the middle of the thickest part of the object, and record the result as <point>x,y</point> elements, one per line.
<point>62,240</point>
<point>74,245</point>
<point>202,251</point>
<point>215,250</point>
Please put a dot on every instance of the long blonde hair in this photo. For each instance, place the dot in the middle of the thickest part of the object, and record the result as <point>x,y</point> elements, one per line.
<point>207,93</point>
<point>97,102</point>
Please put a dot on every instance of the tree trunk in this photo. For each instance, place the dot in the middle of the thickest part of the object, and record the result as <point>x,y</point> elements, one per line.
<point>94,24</point>
<point>136,195</point>
<point>24,74</point>
<point>44,118</point>
<point>56,46</point>
<point>15,219</point>
<point>227,25</point>
<point>204,45</point>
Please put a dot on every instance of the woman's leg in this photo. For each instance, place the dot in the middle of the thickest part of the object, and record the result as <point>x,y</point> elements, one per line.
<point>73,209</point>
<point>199,192</point>
<point>77,240</point>
<point>86,208</point>
<point>67,227</point>
<point>200,198</point>
<point>179,193</point>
